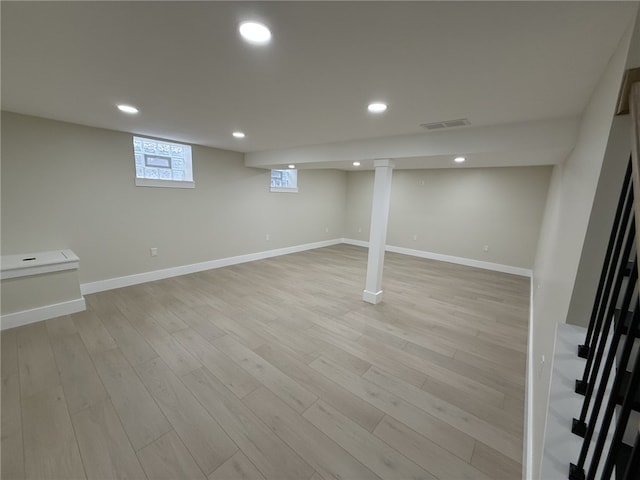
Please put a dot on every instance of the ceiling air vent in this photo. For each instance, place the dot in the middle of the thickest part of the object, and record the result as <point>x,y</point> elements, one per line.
<point>460,122</point>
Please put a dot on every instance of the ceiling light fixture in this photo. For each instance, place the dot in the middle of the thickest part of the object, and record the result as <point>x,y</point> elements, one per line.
<point>127,109</point>
<point>238,134</point>
<point>459,159</point>
<point>377,107</point>
<point>356,164</point>
<point>255,33</point>
<point>292,166</point>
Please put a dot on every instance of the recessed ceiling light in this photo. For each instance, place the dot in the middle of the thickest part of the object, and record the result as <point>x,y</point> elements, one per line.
<point>255,33</point>
<point>459,159</point>
<point>377,107</point>
<point>292,166</point>
<point>356,164</point>
<point>238,134</point>
<point>127,109</point>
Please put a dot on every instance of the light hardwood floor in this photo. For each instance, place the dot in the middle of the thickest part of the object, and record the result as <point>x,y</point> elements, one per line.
<point>276,370</point>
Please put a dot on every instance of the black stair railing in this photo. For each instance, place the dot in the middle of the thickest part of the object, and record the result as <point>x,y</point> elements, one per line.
<point>592,371</point>
<point>615,270</point>
<point>609,266</point>
<point>612,339</point>
<point>624,413</point>
<point>579,426</point>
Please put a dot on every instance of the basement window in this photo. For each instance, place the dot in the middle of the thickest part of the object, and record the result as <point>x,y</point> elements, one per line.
<point>162,164</point>
<point>284,180</point>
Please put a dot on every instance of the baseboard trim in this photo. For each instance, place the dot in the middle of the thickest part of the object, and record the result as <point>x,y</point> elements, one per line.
<point>469,262</point>
<point>357,243</point>
<point>527,461</point>
<point>17,319</point>
<point>135,279</point>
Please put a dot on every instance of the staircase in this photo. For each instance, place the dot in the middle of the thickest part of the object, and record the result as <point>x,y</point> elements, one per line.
<point>595,378</point>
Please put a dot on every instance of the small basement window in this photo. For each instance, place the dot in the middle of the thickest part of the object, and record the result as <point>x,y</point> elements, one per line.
<point>162,164</point>
<point>284,180</point>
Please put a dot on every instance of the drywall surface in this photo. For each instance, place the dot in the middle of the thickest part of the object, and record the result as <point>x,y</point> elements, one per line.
<point>71,186</point>
<point>615,163</point>
<point>458,212</point>
<point>566,219</point>
<point>601,219</point>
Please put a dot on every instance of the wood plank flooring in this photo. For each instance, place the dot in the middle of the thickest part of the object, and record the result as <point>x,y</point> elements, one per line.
<point>276,370</point>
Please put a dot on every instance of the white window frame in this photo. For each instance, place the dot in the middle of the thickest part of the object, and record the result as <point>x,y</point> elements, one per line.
<point>152,182</point>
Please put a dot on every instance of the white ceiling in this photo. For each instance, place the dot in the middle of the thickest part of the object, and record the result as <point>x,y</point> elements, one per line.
<point>194,80</point>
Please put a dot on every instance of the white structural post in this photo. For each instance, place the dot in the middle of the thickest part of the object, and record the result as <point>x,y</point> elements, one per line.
<point>378,234</point>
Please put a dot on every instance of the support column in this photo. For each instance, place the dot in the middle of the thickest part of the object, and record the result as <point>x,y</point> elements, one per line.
<point>378,233</point>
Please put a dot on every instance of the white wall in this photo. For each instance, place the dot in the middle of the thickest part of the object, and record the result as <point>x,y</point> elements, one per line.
<point>600,223</point>
<point>457,211</point>
<point>71,186</point>
<point>604,205</point>
<point>567,212</point>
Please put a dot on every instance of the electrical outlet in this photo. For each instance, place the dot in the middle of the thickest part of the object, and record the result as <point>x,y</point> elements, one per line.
<point>154,251</point>
<point>415,237</point>
<point>359,229</point>
<point>485,248</point>
<point>267,237</point>
<point>326,229</point>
